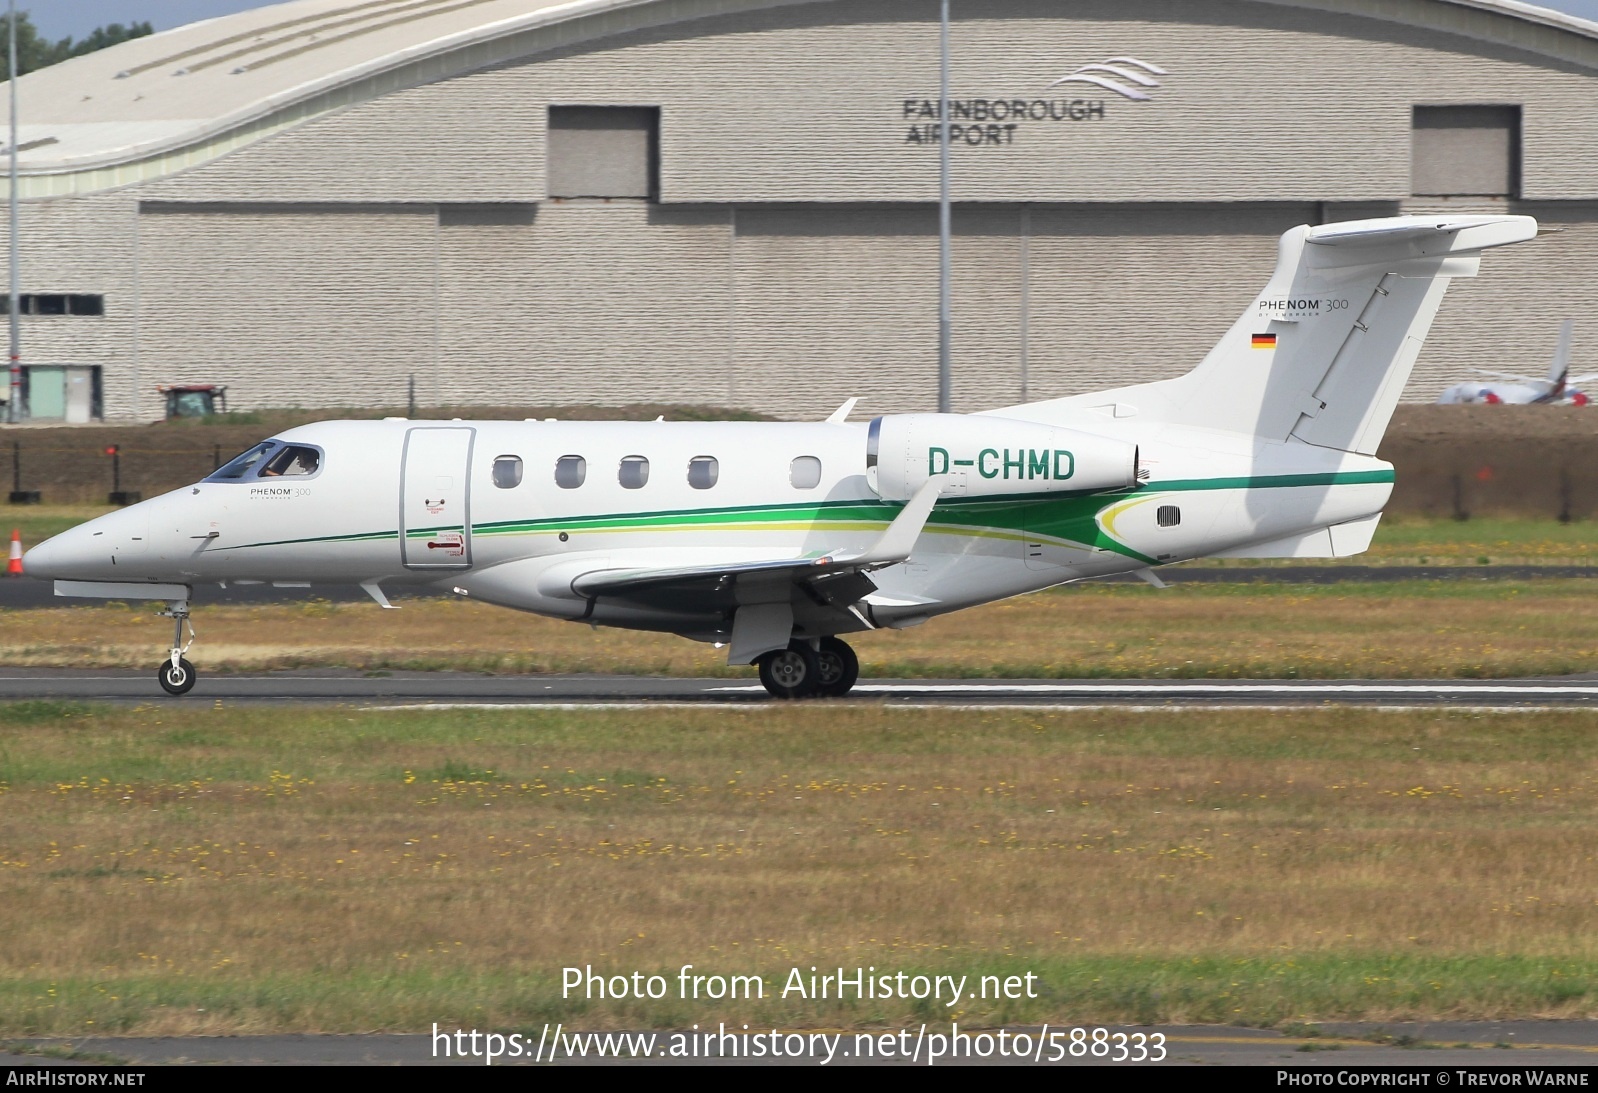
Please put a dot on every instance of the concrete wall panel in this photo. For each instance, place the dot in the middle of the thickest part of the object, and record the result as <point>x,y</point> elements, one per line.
<point>290,306</point>
<point>589,302</point>
<point>85,245</point>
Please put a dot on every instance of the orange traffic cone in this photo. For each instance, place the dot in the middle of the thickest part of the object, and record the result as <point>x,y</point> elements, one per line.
<point>14,566</point>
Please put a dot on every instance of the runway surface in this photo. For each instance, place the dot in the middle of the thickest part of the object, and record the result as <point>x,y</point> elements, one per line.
<point>459,689</point>
<point>1475,1046</point>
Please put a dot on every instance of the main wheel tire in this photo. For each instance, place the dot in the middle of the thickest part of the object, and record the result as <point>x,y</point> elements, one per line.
<point>839,668</point>
<point>791,672</point>
<point>176,681</point>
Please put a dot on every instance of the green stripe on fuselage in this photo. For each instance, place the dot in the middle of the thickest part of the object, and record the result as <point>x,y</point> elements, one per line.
<point>1066,516</point>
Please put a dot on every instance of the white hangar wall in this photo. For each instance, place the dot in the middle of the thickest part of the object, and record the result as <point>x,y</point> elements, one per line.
<point>784,310</point>
<point>790,259</point>
<point>807,103</point>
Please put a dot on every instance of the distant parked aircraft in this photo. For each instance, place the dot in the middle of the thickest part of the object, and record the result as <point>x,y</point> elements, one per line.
<point>1558,387</point>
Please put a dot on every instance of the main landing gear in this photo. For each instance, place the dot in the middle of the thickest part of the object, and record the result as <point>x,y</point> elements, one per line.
<point>827,669</point>
<point>176,674</point>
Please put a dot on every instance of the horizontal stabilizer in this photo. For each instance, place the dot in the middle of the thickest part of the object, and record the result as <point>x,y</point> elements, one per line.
<point>1433,234</point>
<point>1509,376</point>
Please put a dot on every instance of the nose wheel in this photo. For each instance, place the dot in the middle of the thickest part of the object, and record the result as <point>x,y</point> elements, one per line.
<point>176,679</point>
<point>176,675</point>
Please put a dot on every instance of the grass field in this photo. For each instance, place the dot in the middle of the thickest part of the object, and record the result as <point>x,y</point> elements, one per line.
<point>1404,629</point>
<point>222,871</point>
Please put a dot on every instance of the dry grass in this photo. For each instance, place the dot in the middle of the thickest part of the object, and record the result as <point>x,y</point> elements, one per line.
<point>1416,541</point>
<point>252,870</point>
<point>1415,629</point>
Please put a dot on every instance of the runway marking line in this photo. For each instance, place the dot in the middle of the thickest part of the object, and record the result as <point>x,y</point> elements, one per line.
<point>535,704</point>
<point>1217,688</point>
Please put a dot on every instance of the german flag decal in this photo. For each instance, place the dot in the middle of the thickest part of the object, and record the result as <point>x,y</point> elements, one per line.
<point>1264,341</point>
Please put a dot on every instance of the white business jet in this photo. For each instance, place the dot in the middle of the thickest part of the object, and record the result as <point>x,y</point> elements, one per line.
<point>774,539</point>
<point>1559,388</point>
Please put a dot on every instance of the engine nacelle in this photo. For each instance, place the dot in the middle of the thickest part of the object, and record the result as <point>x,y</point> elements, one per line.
<point>992,456</point>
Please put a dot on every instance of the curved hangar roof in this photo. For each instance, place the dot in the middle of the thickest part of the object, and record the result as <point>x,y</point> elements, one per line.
<point>155,105</point>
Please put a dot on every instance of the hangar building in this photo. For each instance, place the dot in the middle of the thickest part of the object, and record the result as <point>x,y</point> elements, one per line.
<point>734,201</point>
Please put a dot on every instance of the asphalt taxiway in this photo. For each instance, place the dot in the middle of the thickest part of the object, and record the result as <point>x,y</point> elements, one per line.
<point>445,689</point>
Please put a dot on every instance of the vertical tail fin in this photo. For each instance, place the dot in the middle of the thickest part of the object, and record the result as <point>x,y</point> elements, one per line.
<point>1559,370</point>
<point>1324,352</point>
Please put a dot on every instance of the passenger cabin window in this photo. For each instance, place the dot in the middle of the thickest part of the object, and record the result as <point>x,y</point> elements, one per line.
<point>634,472</point>
<point>242,466</point>
<point>507,471</point>
<point>1168,516</point>
<point>703,470</point>
<point>291,461</point>
<point>570,471</point>
<point>805,472</point>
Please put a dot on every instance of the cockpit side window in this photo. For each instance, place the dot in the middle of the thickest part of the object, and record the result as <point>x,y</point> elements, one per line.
<point>243,466</point>
<point>292,460</point>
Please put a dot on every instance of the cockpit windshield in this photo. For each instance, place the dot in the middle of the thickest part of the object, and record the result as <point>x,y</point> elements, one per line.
<point>242,466</point>
<point>292,459</point>
<point>270,459</point>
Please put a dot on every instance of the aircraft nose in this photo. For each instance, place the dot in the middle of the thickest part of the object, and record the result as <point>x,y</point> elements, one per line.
<point>64,557</point>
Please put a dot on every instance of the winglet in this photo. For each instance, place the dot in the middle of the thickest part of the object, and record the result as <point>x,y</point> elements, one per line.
<point>841,414</point>
<point>901,535</point>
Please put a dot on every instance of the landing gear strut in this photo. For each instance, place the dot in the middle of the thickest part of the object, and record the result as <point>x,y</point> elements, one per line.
<point>801,671</point>
<point>176,674</point>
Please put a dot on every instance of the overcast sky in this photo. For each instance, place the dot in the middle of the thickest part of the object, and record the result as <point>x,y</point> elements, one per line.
<point>75,18</point>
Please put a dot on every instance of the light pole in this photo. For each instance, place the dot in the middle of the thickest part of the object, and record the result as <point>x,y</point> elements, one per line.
<point>944,297</point>
<point>14,403</point>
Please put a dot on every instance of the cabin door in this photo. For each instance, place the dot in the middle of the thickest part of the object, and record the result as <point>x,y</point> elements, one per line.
<point>436,498</point>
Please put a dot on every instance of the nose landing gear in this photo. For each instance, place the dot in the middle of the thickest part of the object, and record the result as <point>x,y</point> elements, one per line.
<point>176,674</point>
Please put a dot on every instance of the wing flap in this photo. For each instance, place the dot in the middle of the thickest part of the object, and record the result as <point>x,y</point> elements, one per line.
<point>617,582</point>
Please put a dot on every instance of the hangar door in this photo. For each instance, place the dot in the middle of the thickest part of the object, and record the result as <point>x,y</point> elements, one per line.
<point>435,498</point>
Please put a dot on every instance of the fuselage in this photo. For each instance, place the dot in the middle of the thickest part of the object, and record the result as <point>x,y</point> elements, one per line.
<point>513,512</point>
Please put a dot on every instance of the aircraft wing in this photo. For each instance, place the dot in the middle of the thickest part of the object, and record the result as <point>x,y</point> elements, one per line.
<point>1528,380</point>
<point>837,578</point>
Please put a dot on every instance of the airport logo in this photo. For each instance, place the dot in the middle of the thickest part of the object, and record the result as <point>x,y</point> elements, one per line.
<point>994,122</point>
<point>1120,75</point>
